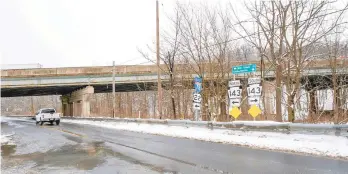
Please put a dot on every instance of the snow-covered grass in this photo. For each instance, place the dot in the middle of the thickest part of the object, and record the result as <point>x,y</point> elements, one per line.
<point>6,139</point>
<point>325,145</point>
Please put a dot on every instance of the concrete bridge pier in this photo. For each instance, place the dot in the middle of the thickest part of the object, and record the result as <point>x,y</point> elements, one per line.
<point>77,103</point>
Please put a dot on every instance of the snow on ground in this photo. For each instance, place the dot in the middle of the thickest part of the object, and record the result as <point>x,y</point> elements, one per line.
<point>6,139</point>
<point>261,123</point>
<point>325,145</point>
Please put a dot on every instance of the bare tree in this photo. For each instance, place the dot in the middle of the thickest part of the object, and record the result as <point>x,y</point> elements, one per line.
<point>336,51</point>
<point>169,54</point>
<point>284,30</point>
<point>205,48</point>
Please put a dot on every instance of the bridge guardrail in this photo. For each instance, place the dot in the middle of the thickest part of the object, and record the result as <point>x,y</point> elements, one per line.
<point>264,126</point>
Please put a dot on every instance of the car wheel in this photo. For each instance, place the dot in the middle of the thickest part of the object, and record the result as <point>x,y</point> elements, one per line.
<point>41,123</point>
<point>37,122</point>
<point>51,122</point>
<point>57,122</point>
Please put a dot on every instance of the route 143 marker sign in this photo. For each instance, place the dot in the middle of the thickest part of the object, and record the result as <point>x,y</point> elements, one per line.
<point>254,90</point>
<point>235,92</point>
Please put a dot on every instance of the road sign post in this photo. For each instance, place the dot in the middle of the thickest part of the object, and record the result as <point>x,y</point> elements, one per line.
<point>234,95</point>
<point>254,91</point>
<point>197,98</point>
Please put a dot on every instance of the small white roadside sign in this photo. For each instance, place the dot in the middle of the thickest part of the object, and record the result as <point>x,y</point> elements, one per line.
<point>197,98</point>
<point>235,92</point>
<point>234,83</point>
<point>254,80</point>
<point>254,90</point>
<point>255,100</point>
<point>196,106</point>
<point>234,102</point>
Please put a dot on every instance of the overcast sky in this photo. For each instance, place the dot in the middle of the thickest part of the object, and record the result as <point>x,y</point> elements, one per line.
<point>60,33</point>
<point>68,33</point>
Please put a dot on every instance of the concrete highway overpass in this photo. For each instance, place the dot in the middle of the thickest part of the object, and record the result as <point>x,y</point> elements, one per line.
<point>75,84</point>
<point>62,81</point>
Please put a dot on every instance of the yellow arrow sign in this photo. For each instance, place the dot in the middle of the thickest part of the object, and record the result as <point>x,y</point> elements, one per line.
<point>235,112</point>
<point>254,111</point>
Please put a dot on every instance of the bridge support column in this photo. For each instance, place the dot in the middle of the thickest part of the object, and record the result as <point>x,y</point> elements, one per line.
<point>65,105</point>
<point>78,102</point>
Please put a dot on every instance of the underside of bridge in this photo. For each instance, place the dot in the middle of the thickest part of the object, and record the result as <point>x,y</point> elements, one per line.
<point>323,82</point>
<point>63,90</point>
<point>76,98</point>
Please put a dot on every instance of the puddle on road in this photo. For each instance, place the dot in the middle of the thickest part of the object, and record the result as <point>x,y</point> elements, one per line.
<point>85,155</point>
<point>7,150</point>
<point>82,156</point>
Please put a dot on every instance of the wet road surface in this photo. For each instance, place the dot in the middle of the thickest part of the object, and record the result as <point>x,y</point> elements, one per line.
<point>73,148</point>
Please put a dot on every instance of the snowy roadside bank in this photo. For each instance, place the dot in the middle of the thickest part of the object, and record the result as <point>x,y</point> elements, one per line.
<point>324,145</point>
<point>263,126</point>
<point>6,139</point>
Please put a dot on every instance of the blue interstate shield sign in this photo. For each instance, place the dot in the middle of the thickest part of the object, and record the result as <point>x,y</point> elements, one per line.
<point>198,84</point>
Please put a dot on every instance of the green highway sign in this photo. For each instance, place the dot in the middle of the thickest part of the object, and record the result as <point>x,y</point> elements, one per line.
<point>247,68</point>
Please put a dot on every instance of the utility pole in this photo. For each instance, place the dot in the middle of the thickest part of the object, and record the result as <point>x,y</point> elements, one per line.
<point>279,93</point>
<point>113,89</point>
<point>159,84</point>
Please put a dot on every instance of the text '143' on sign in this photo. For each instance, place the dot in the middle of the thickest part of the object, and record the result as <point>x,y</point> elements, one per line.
<point>235,92</point>
<point>254,90</point>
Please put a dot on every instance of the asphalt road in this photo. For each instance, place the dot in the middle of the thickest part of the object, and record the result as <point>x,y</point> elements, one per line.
<point>73,148</point>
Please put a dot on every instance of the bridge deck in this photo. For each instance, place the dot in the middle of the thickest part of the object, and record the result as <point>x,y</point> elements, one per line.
<point>128,78</point>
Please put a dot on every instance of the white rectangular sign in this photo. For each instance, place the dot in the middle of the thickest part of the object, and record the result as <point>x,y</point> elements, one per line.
<point>254,90</point>
<point>233,83</point>
<point>196,106</point>
<point>255,100</point>
<point>197,98</point>
<point>254,80</point>
<point>235,92</point>
<point>234,102</point>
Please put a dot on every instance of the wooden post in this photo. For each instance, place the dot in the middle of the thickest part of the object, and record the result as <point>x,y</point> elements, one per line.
<point>159,84</point>
<point>113,90</point>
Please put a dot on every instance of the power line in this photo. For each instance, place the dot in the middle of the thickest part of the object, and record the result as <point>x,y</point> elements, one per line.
<point>130,60</point>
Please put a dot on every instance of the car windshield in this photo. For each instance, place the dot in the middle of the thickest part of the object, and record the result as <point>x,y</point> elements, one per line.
<point>51,111</point>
